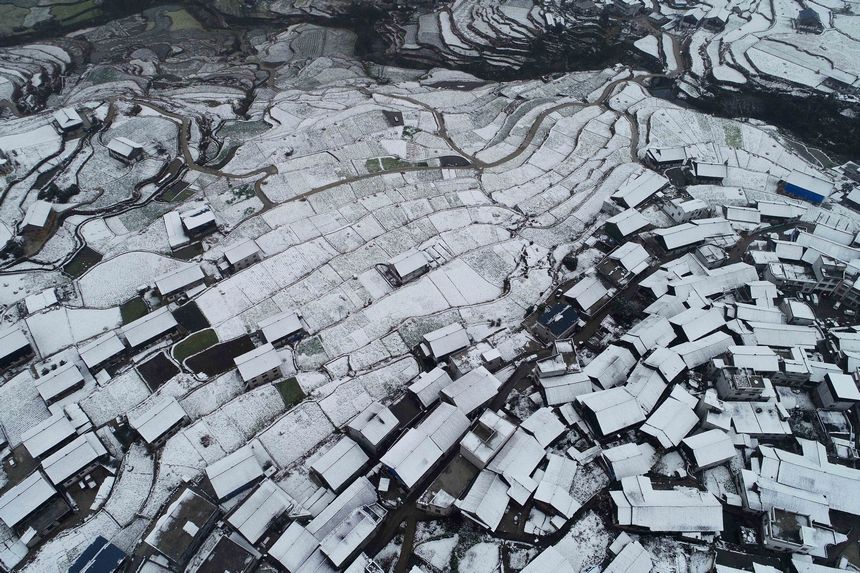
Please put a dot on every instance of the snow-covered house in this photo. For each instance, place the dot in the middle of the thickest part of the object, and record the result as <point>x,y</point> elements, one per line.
<point>125,150</point>
<point>837,392</point>
<point>258,366</point>
<point>174,283</point>
<point>472,390</point>
<point>373,427</point>
<point>74,459</point>
<point>609,411</point>
<point>486,438</point>
<point>48,436</point>
<point>101,351</point>
<point>40,215</point>
<point>260,510</point>
<point>243,255</point>
<point>708,449</point>
<point>638,506</point>
<point>429,385</point>
<point>234,473</point>
<point>155,419</point>
<point>149,328</point>
<point>66,119</point>
<point>442,342</point>
<point>422,447</point>
<point>339,465</point>
<point>282,328</point>
<point>30,496</point>
<point>408,266</point>
<point>59,383</point>
<point>14,348</point>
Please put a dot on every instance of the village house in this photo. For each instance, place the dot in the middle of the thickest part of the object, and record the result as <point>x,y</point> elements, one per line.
<point>14,348</point>
<point>149,328</point>
<point>102,352</point>
<point>373,427</point>
<point>258,366</point>
<point>243,255</point>
<point>174,284</point>
<point>59,383</point>
<point>181,528</point>
<point>125,150</point>
<point>39,216</point>
<point>66,120</point>
<point>282,328</point>
<point>234,473</point>
<point>339,465</point>
<point>440,343</point>
<point>408,266</point>
<point>76,458</point>
<point>156,420</point>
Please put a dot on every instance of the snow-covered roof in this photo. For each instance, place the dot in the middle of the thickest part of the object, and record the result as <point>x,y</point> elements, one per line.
<point>258,361</point>
<point>587,292</point>
<point>359,493</point>
<point>265,504</point>
<point>176,235</point>
<point>740,214</point>
<point>808,182</point>
<point>244,250</point>
<point>544,425</point>
<point>281,325</point>
<point>628,221</point>
<point>757,358</point>
<point>613,409</point>
<point>843,387</point>
<point>58,381</point>
<point>673,510</point>
<point>123,147</point>
<point>178,280</point>
<point>408,262</point>
<point>47,434</point>
<point>12,341</point>
<point>653,331</point>
<point>38,214</point>
<point>695,323</point>
<point>24,498</point>
<point>610,367</point>
<point>785,335</point>
<point>632,256</point>
<point>550,559</point>
<point>486,501</point>
<point>340,463</point>
<point>637,189</point>
<point>197,218</point>
<point>294,547</point>
<point>472,390</point>
<point>709,448</point>
<point>351,533</point>
<point>630,459</point>
<point>563,389</point>
<point>149,327</point>
<point>412,456</point>
<point>446,340</point>
<point>41,300</point>
<point>73,457</point>
<point>687,234</point>
<point>234,472</point>
<point>697,353</point>
<point>488,436</point>
<point>758,419</point>
<point>710,170</point>
<point>633,558</point>
<point>374,423</point>
<point>667,362</point>
<point>667,154</point>
<point>780,210</point>
<point>156,418</point>
<point>670,423</point>
<point>101,349</point>
<point>429,385</point>
<point>519,456</point>
<point>756,313</point>
<point>68,118</point>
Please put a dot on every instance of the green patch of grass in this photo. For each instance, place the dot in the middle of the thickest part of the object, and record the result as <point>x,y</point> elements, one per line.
<point>197,342</point>
<point>133,309</point>
<point>290,391</point>
<point>239,194</point>
<point>83,261</point>
<point>182,20</point>
<point>379,164</point>
<point>734,137</point>
<point>70,12</point>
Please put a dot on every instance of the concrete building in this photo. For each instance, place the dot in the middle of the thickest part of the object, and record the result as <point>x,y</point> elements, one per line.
<point>261,365</point>
<point>243,255</point>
